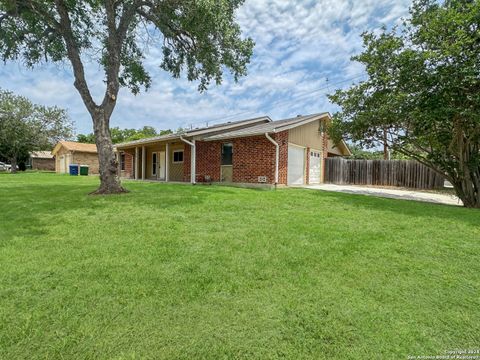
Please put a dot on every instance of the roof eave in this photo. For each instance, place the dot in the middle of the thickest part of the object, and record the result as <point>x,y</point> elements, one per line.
<point>227,126</point>
<point>56,148</point>
<point>146,141</point>
<point>303,122</point>
<point>349,152</point>
<point>273,130</point>
<point>188,134</point>
<point>215,138</point>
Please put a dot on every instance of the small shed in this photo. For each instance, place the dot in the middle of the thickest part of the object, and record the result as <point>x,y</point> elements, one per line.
<point>42,160</point>
<point>71,152</point>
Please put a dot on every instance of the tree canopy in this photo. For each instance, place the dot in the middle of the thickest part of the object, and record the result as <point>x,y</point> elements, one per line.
<point>197,38</point>
<point>422,95</point>
<point>123,135</point>
<point>25,127</point>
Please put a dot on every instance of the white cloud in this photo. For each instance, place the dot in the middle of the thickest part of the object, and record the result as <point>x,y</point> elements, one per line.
<point>299,44</point>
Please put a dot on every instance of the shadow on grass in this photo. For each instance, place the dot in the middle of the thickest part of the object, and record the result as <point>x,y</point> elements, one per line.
<point>28,209</point>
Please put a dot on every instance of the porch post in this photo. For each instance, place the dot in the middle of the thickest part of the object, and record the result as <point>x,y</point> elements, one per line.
<point>143,162</point>
<point>135,168</point>
<point>193,170</point>
<point>192,159</point>
<point>167,161</point>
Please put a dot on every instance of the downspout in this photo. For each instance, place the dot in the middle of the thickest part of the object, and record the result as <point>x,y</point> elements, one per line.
<point>277,155</point>
<point>192,161</point>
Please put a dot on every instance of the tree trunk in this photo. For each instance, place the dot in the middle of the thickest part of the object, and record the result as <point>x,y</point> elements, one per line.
<point>109,180</point>
<point>13,164</point>
<point>467,190</point>
<point>385,146</point>
<point>466,177</point>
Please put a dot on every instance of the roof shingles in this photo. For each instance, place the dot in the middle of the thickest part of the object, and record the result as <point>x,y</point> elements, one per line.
<point>274,126</point>
<point>249,127</point>
<point>76,146</point>
<point>41,155</point>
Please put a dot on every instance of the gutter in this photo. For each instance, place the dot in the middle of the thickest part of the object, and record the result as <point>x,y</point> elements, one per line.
<point>192,159</point>
<point>277,155</point>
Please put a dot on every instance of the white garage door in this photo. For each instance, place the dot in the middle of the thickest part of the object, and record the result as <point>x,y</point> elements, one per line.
<point>296,165</point>
<point>315,167</point>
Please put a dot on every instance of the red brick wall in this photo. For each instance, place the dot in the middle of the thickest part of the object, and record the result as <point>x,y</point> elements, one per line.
<point>129,163</point>
<point>207,161</point>
<point>128,172</point>
<point>208,155</point>
<point>252,157</point>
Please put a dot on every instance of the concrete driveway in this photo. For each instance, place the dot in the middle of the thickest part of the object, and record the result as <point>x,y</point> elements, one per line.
<point>390,193</point>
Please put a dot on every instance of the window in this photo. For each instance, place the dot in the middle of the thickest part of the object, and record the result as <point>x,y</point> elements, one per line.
<point>154,164</point>
<point>122,161</point>
<point>227,154</point>
<point>178,156</point>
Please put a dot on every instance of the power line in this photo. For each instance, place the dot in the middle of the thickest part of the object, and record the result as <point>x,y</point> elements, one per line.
<point>281,103</point>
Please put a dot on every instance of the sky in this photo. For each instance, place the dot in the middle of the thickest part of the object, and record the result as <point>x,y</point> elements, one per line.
<point>302,53</point>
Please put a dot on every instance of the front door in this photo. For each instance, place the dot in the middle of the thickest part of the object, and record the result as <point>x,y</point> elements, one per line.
<point>226,167</point>
<point>161,165</point>
<point>155,165</point>
<point>158,165</point>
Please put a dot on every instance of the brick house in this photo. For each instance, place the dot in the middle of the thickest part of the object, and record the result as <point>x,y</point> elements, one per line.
<point>254,151</point>
<point>71,152</point>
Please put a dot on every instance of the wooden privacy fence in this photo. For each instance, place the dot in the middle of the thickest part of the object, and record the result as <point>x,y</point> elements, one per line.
<point>402,173</point>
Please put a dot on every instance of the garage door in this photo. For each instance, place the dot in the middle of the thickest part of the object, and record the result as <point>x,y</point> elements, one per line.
<point>296,165</point>
<point>315,167</point>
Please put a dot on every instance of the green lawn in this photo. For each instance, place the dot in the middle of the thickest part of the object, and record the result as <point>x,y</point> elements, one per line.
<point>210,272</point>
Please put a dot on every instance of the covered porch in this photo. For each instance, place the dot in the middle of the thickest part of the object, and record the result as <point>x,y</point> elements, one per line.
<point>155,161</point>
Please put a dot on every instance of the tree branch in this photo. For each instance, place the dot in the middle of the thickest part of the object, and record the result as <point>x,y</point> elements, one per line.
<point>74,56</point>
<point>115,39</point>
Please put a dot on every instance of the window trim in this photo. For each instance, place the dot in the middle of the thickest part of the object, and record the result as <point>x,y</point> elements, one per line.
<point>173,156</point>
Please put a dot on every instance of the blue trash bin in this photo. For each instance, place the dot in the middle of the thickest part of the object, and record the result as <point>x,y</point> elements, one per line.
<point>73,169</point>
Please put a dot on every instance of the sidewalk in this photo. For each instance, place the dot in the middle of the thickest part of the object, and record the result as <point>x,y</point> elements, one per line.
<point>390,193</point>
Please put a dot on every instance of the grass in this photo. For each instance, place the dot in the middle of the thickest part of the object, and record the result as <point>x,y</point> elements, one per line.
<point>210,272</point>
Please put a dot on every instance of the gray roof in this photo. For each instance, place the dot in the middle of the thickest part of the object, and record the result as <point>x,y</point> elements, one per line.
<point>270,127</point>
<point>214,129</point>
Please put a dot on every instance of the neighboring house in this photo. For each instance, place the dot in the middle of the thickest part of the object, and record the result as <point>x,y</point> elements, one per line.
<point>41,160</point>
<point>253,151</point>
<point>70,152</point>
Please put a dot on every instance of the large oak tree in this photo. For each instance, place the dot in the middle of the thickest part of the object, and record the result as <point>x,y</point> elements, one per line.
<point>198,37</point>
<point>422,95</point>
